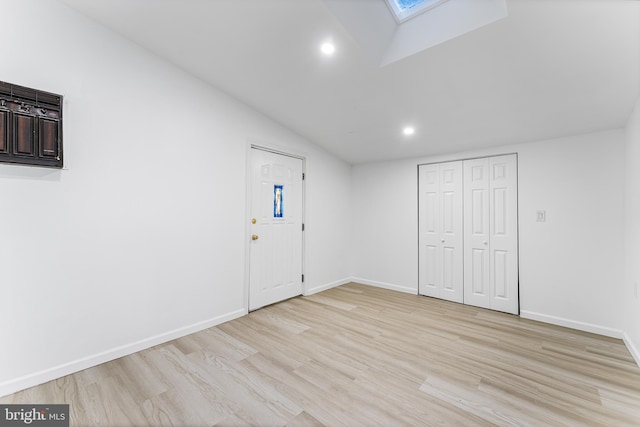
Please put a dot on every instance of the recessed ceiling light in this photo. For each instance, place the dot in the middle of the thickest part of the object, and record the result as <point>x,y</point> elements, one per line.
<point>328,48</point>
<point>408,131</point>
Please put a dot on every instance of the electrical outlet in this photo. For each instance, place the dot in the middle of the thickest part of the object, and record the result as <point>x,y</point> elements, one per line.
<point>541,216</point>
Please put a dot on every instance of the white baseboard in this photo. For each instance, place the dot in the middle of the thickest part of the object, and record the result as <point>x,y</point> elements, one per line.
<point>632,348</point>
<point>573,324</point>
<point>41,377</point>
<point>384,285</point>
<point>327,286</point>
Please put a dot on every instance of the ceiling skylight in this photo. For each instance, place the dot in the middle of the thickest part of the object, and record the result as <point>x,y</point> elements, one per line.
<point>407,9</point>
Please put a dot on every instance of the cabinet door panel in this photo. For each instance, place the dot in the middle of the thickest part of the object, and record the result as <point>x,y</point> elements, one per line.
<point>25,143</point>
<point>48,136</point>
<point>4,131</point>
<point>30,126</point>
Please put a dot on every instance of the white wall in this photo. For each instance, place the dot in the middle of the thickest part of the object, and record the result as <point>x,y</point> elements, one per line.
<point>570,266</point>
<point>632,233</point>
<point>632,229</point>
<point>385,223</point>
<point>141,237</point>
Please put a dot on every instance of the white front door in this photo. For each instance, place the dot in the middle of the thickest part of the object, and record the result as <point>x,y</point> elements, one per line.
<point>275,272</point>
<point>441,238</point>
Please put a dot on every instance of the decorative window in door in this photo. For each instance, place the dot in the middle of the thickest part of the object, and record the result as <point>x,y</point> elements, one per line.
<point>30,126</point>
<point>277,201</point>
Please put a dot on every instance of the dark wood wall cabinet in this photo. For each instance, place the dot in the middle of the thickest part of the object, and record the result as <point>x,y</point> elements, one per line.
<point>30,126</point>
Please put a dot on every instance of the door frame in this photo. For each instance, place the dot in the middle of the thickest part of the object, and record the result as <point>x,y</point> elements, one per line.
<point>283,151</point>
<point>517,209</point>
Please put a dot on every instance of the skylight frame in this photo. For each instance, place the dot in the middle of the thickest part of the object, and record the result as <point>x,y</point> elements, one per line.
<point>404,15</point>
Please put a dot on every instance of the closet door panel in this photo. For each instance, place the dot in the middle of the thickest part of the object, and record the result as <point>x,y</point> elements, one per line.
<point>476,238</point>
<point>440,224</point>
<point>429,230</point>
<point>451,233</point>
<point>504,233</point>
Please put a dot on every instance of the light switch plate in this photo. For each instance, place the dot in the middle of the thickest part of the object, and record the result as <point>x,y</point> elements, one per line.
<point>541,216</point>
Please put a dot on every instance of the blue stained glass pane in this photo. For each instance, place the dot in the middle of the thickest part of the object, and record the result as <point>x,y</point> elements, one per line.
<point>277,201</point>
<point>407,4</point>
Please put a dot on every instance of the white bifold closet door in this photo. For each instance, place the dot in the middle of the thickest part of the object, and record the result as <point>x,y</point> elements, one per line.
<point>491,233</point>
<point>468,243</point>
<point>441,239</point>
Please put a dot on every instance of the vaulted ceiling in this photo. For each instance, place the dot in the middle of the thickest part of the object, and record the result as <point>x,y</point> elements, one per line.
<point>550,68</point>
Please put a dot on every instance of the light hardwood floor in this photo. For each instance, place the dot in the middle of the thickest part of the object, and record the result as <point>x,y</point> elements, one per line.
<point>357,355</point>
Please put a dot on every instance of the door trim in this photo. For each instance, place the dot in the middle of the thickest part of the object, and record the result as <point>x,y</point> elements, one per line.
<point>270,148</point>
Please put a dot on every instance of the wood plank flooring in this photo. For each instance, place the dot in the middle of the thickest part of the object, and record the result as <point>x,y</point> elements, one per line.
<point>361,356</point>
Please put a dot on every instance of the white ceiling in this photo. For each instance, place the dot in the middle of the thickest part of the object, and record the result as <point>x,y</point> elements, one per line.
<point>551,68</point>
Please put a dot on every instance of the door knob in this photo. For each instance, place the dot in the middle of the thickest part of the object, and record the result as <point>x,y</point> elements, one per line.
<point>254,237</point>
<point>442,240</point>
<point>253,220</point>
<point>484,243</point>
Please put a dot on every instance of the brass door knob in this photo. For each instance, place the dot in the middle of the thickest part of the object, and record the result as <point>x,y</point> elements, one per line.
<point>254,237</point>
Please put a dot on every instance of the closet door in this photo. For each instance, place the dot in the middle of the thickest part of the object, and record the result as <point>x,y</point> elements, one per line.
<point>477,233</point>
<point>440,225</point>
<point>503,206</point>
<point>491,233</point>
